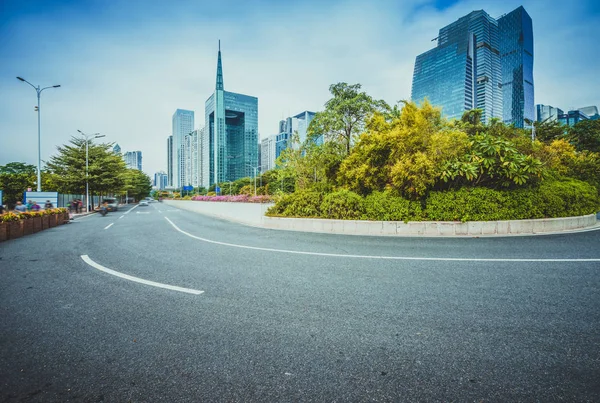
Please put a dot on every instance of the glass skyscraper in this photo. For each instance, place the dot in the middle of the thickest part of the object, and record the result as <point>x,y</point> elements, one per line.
<point>232,134</point>
<point>516,49</point>
<point>446,76</point>
<point>469,67</point>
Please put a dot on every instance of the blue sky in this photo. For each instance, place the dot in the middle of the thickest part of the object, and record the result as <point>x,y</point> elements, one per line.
<point>125,66</point>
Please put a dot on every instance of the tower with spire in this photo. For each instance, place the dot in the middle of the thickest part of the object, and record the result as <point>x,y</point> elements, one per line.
<point>230,139</point>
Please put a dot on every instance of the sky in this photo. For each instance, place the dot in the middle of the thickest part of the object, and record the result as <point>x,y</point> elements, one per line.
<point>125,66</point>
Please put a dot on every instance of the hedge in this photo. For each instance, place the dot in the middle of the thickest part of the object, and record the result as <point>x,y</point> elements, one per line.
<point>552,198</point>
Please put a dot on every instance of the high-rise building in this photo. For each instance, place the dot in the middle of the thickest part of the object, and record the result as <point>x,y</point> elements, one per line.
<point>516,51</point>
<point>480,62</point>
<point>193,158</point>
<point>446,76</point>
<point>183,124</point>
<point>133,159</point>
<point>547,113</point>
<point>268,155</point>
<point>232,131</point>
<point>170,161</point>
<point>160,180</point>
<point>117,149</point>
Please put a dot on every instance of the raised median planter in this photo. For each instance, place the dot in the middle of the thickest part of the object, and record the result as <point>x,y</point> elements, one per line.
<point>253,214</point>
<point>431,228</point>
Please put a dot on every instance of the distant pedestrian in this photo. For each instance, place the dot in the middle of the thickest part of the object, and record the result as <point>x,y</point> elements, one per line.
<point>70,206</point>
<point>76,203</point>
<point>1,209</point>
<point>35,206</point>
<point>29,205</point>
<point>20,207</point>
<point>48,205</point>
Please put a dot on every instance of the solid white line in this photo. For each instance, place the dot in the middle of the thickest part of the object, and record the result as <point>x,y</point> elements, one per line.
<point>109,225</point>
<point>452,259</point>
<point>95,265</point>
<point>122,216</point>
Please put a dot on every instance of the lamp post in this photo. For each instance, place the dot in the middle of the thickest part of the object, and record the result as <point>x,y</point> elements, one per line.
<point>255,169</point>
<point>38,90</point>
<point>87,186</point>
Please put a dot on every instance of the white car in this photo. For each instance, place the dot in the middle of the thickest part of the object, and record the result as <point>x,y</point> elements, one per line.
<point>144,203</point>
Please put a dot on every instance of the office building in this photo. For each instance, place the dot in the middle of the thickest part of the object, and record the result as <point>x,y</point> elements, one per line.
<point>590,111</point>
<point>547,113</point>
<point>232,133</point>
<point>571,118</point>
<point>479,62</point>
<point>268,153</point>
<point>160,180</point>
<point>133,159</point>
<point>117,149</point>
<point>183,124</point>
<point>516,50</point>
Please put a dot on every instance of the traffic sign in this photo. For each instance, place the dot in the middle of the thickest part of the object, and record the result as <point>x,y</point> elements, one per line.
<point>188,188</point>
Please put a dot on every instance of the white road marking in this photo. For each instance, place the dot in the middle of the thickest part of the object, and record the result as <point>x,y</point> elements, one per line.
<point>443,259</point>
<point>142,212</point>
<point>131,209</point>
<point>122,216</point>
<point>95,265</point>
<point>109,225</point>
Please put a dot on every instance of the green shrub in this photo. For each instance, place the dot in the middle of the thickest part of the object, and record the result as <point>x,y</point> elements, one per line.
<point>343,205</point>
<point>384,206</point>
<point>567,198</point>
<point>304,203</point>
<point>552,198</point>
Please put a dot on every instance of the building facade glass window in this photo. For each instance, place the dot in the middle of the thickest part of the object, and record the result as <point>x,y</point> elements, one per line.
<point>232,134</point>
<point>516,49</point>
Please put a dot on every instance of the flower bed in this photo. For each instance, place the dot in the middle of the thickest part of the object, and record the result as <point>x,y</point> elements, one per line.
<point>235,199</point>
<point>15,224</point>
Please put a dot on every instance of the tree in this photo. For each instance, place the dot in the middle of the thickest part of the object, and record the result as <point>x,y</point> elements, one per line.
<point>585,135</point>
<point>105,168</point>
<point>549,130</point>
<point>345,114</point>
<point>15,178</point>
<point>405,155</point>
<point>136,184</point>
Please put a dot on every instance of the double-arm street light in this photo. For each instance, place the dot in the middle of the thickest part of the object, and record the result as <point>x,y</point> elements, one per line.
<point>87,186</point>
<point>39,167</point>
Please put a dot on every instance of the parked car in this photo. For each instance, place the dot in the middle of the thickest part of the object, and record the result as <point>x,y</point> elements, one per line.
<point>113,204</point>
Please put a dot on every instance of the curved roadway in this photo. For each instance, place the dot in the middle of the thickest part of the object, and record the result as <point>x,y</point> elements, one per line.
<point>97,310</point>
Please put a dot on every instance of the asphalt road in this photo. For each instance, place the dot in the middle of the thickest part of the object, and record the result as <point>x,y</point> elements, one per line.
<point>288,317</point>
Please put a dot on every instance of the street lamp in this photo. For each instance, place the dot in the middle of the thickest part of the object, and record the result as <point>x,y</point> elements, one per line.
<point>255,169</point>
<point>87,186</point>
<point>39,167</point>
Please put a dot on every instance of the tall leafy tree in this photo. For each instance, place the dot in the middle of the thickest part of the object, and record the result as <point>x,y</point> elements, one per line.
<point>585,135</point>
<point>104,171</point>
<point>135,183</point>
<point>405,155</point>
<point>15,178</point>
<point>345,114</point>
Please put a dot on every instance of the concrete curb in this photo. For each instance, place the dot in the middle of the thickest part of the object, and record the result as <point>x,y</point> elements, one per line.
<point>253,214</point>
